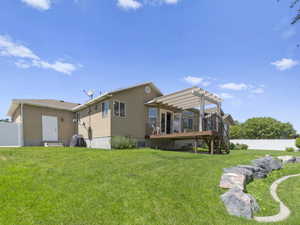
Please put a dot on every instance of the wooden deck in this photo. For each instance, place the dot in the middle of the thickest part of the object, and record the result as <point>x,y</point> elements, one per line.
<point>188,135</point>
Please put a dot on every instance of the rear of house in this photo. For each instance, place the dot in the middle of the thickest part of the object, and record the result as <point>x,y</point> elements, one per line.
<point>141,112</point>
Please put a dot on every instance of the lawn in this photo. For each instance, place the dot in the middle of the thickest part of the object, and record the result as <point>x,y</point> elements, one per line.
<point>64,186</point>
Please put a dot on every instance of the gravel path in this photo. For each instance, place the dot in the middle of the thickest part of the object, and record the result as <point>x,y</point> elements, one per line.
<point>284,210</point>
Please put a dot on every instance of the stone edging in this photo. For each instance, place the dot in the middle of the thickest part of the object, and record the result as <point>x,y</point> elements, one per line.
<point>284,210</point>
<point>239,203</point>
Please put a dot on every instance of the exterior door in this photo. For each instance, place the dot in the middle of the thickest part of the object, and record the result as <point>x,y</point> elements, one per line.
<point>50,128</point>
<point>166,122</point>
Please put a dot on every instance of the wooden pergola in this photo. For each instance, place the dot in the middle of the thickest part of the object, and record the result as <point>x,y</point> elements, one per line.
<point>190,98</point>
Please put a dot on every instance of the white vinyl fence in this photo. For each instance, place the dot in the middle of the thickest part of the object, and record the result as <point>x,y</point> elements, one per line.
<point>10,134</point>
<point>273,144</point>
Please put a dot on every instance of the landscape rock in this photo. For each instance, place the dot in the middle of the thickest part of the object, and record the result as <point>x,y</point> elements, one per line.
<point>267,163</point>
<point>287,159</point>
<point>240,170</point>
<point>258,172</point>
<point>231,180</point>
<point>239,203</point>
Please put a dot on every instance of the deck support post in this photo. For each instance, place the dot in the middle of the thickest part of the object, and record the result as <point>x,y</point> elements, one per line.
<point>195,145</point>
<point>212,146</point>
<point>202,113</point>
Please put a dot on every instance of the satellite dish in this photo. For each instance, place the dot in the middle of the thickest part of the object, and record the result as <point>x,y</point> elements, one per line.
<point>89,93</point>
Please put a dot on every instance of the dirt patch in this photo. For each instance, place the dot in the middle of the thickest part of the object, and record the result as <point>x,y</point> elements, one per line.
<point>3,158</point>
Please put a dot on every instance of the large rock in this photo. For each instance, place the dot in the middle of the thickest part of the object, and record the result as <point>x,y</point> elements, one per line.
<point>239,170</point>
<point>239,203</point>
<point>231,180</point>
<point>287,159</point>
<point>267,163</point>
<point>258,172</point>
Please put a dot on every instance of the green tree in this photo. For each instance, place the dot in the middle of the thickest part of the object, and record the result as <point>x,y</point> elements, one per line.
<point>262,128</point>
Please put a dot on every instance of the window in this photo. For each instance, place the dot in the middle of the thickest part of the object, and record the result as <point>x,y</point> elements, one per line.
<point>188,123</point>
<point>105,108</point>
<point>122,109</point>
<point>152,116</point>
<point>119,109</point>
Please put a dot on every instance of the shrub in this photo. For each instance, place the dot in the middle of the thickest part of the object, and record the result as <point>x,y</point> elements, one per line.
<point>298,142</point>
<point>241,147</point>
<point>232,146</point>
<point>120,142</point>
<point>289,149</point>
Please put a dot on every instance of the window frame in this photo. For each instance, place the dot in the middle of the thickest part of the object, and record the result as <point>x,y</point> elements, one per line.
<point>104,114</point>
<point>118,102</point>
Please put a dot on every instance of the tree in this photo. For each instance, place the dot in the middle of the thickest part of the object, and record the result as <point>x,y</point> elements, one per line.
<point>262,128</point>
<point>294,4</point>
<point>4,120</point>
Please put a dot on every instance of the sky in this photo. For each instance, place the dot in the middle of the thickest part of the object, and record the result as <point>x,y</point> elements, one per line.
<point>244,51</point>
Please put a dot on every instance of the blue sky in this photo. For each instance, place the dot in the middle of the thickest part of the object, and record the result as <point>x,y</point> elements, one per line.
<point>244,51</point>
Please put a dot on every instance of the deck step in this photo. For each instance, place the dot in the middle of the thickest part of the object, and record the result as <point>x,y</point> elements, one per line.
<point>53,144</point>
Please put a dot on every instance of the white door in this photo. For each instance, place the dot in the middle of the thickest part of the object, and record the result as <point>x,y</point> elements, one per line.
<point>50,131</point>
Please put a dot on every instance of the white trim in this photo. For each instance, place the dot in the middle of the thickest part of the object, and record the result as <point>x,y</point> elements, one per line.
<point>119,114</point>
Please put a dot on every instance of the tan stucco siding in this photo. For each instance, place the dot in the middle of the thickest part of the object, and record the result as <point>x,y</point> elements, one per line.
<point>16,117</point>
<point>32,124</point>
<point>101,125</point>
<point>134,124</point>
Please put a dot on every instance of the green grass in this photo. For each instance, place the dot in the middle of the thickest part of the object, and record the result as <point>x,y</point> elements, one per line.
<point>64,186</point>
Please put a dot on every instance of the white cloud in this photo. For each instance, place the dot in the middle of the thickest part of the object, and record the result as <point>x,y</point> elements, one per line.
<point>22,64</point>
<point>26,58</point>
<point>285,64</point>
<point>9,48</point>
<point>234,86</point>
<point>226,96</point>
<point>129,4</point>
<point>258,91</point>
<point>38,4</point>
<point>196,81</point>
<point>171,1</point>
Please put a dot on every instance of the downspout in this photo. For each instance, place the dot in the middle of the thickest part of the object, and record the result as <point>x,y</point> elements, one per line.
<point>22,125</point>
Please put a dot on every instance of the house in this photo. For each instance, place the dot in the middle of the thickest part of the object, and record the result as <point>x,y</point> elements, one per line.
<point>139,111</point>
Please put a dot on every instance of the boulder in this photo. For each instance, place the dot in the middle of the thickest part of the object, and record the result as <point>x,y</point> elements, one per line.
<point>287,159</point>
<point>239,170</point>
<point>258,172</point>
<point>239,203</point>
<point>231,180</point>
<point>267,163</point>
<point>297,160</point>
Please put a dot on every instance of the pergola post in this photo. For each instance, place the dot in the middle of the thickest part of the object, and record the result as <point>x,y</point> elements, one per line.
<point>158,119</point>
<point>201,113</point>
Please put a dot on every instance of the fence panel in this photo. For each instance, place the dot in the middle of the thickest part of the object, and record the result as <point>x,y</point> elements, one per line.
<point>273,144</point>
<point>10,134</point>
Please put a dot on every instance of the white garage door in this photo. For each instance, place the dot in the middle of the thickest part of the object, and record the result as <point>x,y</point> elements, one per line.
<point>50,128</point>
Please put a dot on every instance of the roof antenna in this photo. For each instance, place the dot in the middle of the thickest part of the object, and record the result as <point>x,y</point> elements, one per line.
<point>89,93</point>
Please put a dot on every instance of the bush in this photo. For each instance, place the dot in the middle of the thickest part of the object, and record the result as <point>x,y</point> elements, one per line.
<point>298,142</point>
<point>232,146</point>
<point>241,147</point>
<point>120,142</point>
<point>238,146</point>
<point>289,149</point>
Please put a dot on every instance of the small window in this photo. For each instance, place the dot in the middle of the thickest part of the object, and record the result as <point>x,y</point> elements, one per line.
<point>105,108</point>
<point>122,109</point>
<point>152,116</point>
<point>119,109</point>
